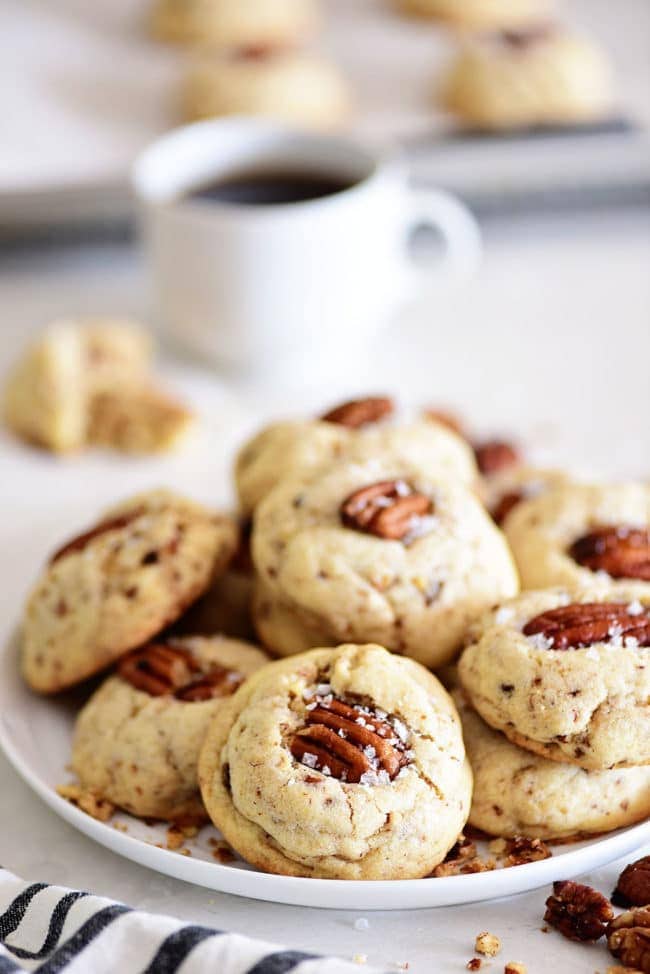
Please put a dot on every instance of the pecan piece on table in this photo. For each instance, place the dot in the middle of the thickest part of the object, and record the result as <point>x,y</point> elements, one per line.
<point>578,912</point>
<point>162,668</point>
<point>633,887</point>
<point>82,540</point>
<point>349,742</point>
<point>360,412</point>
<point>628,938</point>
<point>389,509</point>
<point>622,552</point>
<point>583,624</point>
<point>494,456</point>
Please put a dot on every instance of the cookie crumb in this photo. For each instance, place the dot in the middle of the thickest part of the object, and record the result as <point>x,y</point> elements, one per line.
<point>175,838</point>
<point>487,944</point>
<point>474,964</point>
<point>222,852</point>
<point>86,801</point>
<point>512,967</point>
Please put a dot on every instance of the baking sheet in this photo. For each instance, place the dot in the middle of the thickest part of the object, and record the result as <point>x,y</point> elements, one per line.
<point>83,89</point>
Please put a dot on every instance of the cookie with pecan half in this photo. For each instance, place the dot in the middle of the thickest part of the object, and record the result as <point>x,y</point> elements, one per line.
<point>378,550</point>
<point>356,430</point>
<point>120,583</point>
<point>137,740</point>
<point>583,534</point>
<point>519,793</point>
<point>343,763</point>
<point>566,674</point>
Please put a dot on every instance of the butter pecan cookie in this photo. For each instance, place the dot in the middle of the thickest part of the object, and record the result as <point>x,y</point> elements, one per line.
<point>584,535</point>
<point>137,740</point>
<point>532,77</point>
<point>566,675</point>
<point>519,793</point>
<point>296,87</point>
<point>376,551</point>
<point>480,14</point>
<point>85,383</point>
<point>232,24</point>
<point>119,584</point>
<point>340,763</point>
<point>356,430</point>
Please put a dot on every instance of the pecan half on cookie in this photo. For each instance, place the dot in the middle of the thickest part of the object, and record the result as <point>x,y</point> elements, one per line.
<point>583,624</point>
<point>360,412</point>
<point>389,509</point>
<point>620,551</point>
<point>351,742</point>
<point>164,668</point>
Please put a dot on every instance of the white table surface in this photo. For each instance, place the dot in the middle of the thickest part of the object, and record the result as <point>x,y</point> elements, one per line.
<point>551,341</point>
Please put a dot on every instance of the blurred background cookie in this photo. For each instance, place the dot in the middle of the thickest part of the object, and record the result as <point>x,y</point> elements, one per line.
<point>233,23</point>
<point>479,14</point>
<point>87,382</point>
<point>297,87</point>
<point>543,75</point>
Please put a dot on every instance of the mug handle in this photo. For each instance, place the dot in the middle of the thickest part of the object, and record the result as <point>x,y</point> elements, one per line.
<point>457,227</point>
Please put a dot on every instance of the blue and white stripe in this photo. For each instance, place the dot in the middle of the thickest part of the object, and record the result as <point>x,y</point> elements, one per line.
<point>49,929</point>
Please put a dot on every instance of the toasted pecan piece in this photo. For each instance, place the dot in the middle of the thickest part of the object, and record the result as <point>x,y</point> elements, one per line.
<point>360,412</point>
<point>633,887</point>
<point>389,509</point>
<point>349,742</point>
<point>583,624</point>
<point>622,552</point>
<point>578,912</point>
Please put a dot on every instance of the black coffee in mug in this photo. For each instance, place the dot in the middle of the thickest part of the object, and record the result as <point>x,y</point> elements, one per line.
<point>268,188</point>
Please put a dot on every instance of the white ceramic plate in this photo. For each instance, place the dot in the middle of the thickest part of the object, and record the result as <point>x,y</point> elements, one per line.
<point>35,735</point>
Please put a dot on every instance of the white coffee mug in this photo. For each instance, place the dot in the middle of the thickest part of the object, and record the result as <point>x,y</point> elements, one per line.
<point>263,286</point>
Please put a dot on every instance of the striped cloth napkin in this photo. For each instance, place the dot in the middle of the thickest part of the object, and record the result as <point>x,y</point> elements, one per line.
<point>50,929</point>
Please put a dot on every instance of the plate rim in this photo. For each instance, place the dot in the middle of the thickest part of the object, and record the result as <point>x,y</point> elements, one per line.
<point>340,894</point>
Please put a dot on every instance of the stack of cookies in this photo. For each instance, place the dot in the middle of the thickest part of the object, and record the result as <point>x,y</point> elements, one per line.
<point>249,59</point>
<point>516,67</point>
<point>366,554</point>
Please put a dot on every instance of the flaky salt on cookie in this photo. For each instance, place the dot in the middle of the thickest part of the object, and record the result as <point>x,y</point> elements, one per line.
<point>359,429</point>
<point>566,674</point>
<point>378,550</point>
<point>584,535</point>
<point>340,763</point>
